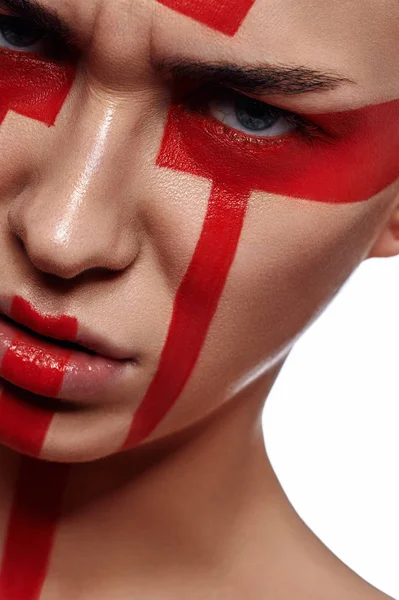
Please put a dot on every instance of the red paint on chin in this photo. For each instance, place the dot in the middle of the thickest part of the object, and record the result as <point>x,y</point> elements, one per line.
<point>33,87</point>
<point>225,16</point>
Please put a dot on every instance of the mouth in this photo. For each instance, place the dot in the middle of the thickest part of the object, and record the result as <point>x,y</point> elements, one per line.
<point>60,343</point>
<point>58,369</point>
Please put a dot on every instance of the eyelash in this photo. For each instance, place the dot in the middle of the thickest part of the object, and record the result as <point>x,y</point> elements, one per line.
<point>198,101</point>
<point>53,48</point>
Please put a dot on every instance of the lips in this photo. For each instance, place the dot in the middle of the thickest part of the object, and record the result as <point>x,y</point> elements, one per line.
<point>64,370</point>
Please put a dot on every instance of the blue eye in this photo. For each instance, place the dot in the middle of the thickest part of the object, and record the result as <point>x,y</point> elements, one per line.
<point>20,34</point>
<point>251,116</point>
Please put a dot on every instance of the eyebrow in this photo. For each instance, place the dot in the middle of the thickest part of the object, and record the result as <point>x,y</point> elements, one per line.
<point>45,19</point>
<point>255,79</point>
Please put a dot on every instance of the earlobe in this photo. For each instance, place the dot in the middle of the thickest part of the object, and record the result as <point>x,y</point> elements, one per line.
<point>387,243</point>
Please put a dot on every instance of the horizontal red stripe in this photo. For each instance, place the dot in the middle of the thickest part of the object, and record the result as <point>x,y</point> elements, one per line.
<point>356,159</point>
<point>62,326</point>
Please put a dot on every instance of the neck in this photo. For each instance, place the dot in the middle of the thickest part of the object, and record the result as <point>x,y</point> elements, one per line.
<point>188,506</point>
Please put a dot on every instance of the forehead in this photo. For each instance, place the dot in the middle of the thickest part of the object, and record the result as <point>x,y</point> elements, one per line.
<point>356,39</point>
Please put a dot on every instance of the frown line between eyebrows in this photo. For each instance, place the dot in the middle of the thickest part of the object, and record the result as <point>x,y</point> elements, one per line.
<point>256,79</point>
<point>265,79</point>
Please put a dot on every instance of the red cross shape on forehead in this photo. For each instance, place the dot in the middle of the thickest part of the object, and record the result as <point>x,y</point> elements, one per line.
<point>225,16</point>
<point>33,87</point>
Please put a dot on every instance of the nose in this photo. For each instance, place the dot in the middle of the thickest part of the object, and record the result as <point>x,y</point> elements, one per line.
<point>77,213</point>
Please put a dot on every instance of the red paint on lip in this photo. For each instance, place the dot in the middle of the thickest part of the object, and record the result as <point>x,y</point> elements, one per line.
<point>32,86</point>
<point>34,367</point>
<point>62,327</point>
<point>358,162</point>
<point>35,513</point>
<point>225,16</point>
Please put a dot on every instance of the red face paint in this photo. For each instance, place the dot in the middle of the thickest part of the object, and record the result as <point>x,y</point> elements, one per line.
<point>32,86</point>
<point>24,366</point>
<point>225,16</point>
<point>35,513</point>
<point>195,304</point>
<point>358,161</point>
<point>40,485</point>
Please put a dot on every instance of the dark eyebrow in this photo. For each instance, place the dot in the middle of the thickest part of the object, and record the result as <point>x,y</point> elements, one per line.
<point>43,18</point>
<point>255,79</point>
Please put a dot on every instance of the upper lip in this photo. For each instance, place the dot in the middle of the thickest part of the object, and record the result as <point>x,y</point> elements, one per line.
<point>86,340</point>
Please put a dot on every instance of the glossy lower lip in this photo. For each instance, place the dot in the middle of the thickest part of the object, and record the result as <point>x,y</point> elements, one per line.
<point>44,368</point>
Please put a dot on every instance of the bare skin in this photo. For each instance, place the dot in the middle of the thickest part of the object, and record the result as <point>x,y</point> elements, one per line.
<point>196,510</point>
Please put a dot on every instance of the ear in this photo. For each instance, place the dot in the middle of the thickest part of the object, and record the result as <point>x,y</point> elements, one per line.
<point>387,243</point>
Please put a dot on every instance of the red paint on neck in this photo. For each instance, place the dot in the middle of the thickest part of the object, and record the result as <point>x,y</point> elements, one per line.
<point>33,87</point>
<point>225,16</point>
<point>34,517</point>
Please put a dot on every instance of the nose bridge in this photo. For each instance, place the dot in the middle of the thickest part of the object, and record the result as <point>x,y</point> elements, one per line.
<point>85,173</point>
<point>72,219</point>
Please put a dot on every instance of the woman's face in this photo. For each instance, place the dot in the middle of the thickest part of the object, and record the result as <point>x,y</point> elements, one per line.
<point>184,189</point>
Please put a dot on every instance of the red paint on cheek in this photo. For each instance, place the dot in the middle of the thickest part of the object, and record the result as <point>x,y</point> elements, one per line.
<point>195,305</point>
<point>358,161</point>
<point>35,513</point>
<point>225,16</point>
<point>32,86</point>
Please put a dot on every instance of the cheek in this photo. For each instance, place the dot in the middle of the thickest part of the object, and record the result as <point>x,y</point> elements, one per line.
<point>224,16</point>
<point>33,87</point>
<point>290,262</point>
<point>198,146</point>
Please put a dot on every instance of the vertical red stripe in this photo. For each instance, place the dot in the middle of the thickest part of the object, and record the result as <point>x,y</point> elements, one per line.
<point>18,414</point>
<point>34,516</point>
<point>40,485</point>
<point>195,305</point>
<point>3,112</point>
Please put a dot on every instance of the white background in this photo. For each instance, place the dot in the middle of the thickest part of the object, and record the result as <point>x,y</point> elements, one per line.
<point>331,425</point>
